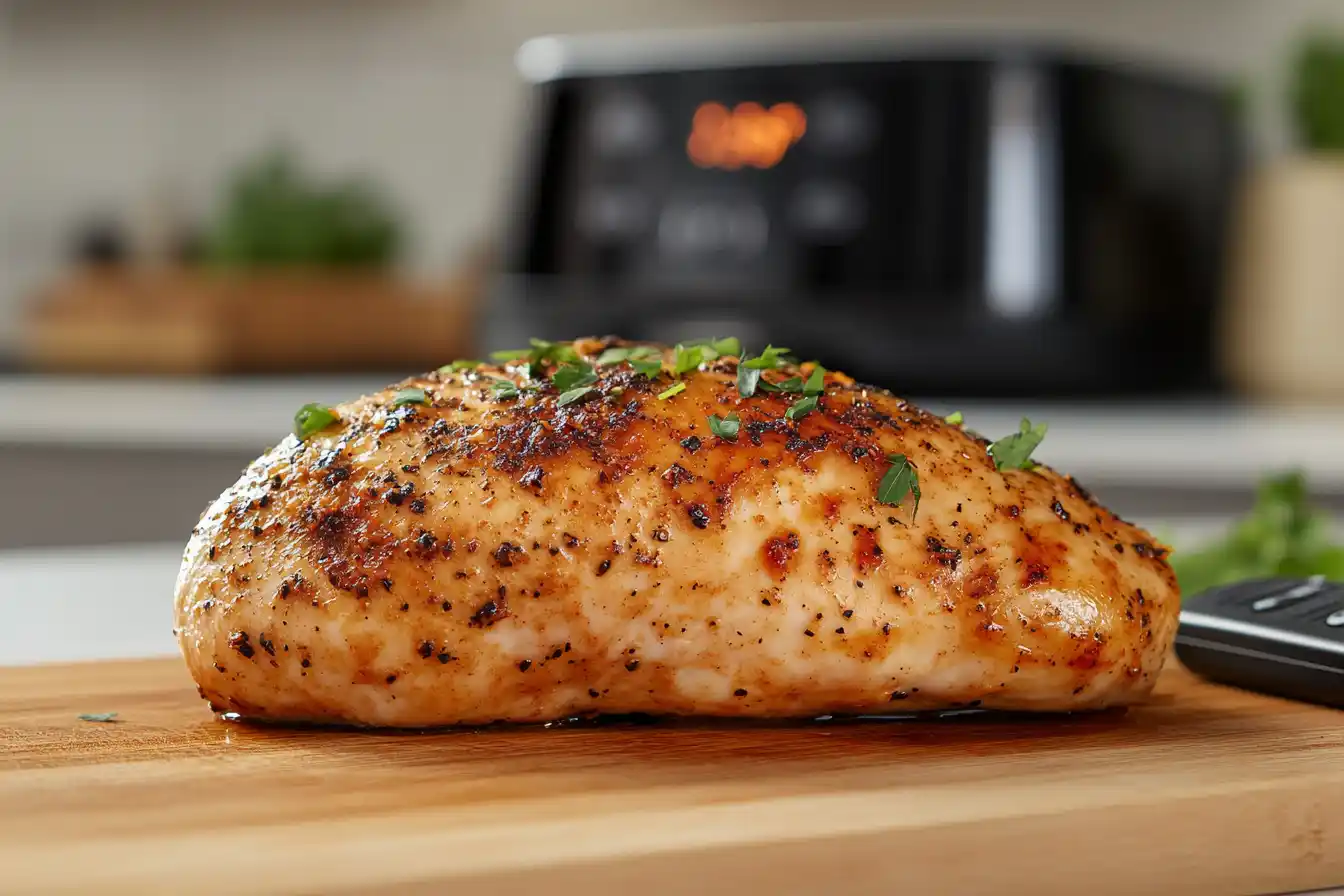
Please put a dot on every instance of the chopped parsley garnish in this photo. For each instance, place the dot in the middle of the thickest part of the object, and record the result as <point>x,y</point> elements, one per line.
<point>816,382</point>
<point>748,378</point>
<point>313,418</point>
<point>689,358</point>
<point>898,482</point>
<point>675,389</point>
<point>643,358</point>
<point>802,407</point>
<point>573,395</point>
<point>1013,452</point>
<point>725,428</point>
<point>570,376</point>
<point>792,384</point>
<point>98,717</point>
<point>459,365</point>
<point>410,395</point>
<point>541,352</point>
<point>503,389</point>
<point>771,359</point>
<point>955,418</point>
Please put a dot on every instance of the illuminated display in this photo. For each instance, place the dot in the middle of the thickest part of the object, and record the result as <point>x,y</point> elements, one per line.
<point>748,135</point>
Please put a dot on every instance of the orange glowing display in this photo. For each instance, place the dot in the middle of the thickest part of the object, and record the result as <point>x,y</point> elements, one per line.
<point>747,135</point>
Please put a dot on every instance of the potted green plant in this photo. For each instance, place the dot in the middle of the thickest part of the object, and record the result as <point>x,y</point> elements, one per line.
<point>1287,302</point>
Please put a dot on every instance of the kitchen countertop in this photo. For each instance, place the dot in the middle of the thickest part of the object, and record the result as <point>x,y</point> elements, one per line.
<point>1185,443</point>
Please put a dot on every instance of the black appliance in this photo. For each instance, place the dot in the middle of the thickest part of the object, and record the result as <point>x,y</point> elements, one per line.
<point>933,215</point>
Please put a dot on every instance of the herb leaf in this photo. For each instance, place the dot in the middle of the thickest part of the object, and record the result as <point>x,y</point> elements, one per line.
<point>410,395</point>
<point>816,383</point>
<point>459,365</point>
<point>503,389</point>
<point>898,482</point>
<point>540,352</point>
<point>98,717</point>
<point>1013,452</point>
<point>690,357</point>
<point>650,367</point>
<point>313,418</point>
<point>571,376</point>
<point>955,418</point>
<point>748,378</point>
<point>573,395</point>
<point>675,389</point>
<point>771,358</point>
<point>802,407</point>
<point>725,428</point>
<point>792,384</point>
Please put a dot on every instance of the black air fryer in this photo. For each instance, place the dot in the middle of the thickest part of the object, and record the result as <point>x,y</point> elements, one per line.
<point>937,217</point>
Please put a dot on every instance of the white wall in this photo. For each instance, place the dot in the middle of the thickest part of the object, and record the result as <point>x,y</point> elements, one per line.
<point>104,101</point>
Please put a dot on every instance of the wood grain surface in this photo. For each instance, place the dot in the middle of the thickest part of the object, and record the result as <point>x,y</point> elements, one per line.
<point>1204,790</point>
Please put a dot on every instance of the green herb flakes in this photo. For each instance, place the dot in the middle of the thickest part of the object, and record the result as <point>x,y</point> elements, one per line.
<point>748,378</point>
<point>674,389</point>
<point>573,395</point>
<point>503,389</point>
<point>771,359</point>
<point>725,428</point>
<point>690,357</point>
<point>410,395</point>
<point>98,717</point>
<point>816,382</point>
<point>955,418</point>
<point>459,365</point>
<point>900,481</point>
<point>570,376</point>
<point>313,418</point>
<point>1013,452</point>
<point>802,407</point>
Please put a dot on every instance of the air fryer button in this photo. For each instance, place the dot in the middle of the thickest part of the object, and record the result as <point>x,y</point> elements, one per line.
<point>1309,588</point>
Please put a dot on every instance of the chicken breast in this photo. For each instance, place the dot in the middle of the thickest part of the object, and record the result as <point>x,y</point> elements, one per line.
<point>479,553</point>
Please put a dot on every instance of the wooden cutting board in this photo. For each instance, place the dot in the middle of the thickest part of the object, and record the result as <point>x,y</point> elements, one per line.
<point>1205,790</point>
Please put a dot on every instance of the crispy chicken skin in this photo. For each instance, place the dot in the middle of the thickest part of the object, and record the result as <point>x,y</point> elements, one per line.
<point>481,558</point>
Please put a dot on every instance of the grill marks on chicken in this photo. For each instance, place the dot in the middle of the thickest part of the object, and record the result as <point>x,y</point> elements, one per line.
<point>475,559</point>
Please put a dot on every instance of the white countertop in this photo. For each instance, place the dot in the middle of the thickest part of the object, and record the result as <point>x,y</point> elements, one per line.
<point>1153,443</point>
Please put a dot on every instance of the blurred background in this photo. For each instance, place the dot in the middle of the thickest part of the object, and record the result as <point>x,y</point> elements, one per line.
<point>1121,219</point>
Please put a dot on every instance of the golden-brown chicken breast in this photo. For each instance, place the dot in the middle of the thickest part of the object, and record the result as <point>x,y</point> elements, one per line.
<point>472,545</point>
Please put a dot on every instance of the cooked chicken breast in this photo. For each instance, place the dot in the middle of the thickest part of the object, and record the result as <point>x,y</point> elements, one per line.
<point>477,553</point>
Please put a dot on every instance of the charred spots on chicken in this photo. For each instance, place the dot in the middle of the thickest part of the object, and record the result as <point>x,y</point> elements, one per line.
<point>397,495</point>
<point>777,553</point>
<point>242,643</point>
<point>699,516</point>
<point>868,554</point>
<point>677,475</point>
<point>507,554</point>
<point>426,649</point>
<point>490,612</point>
<point>1145,549</point>
<point>532,478</point>
<point>691,443</point>
<point>942,554</point>
<point>1059,510</point>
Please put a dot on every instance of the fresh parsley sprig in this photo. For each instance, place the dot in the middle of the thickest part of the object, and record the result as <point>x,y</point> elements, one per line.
<point>726,428</point>
<point>313,418</point>
<point>901,480</point>
<point>410,395</point>
<point>644,359</point>
<point>463,364</point>
<point>503,389</point>
<point>541,352</point>
<point>1013,452</point>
